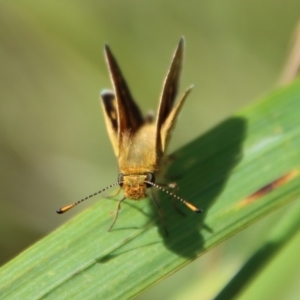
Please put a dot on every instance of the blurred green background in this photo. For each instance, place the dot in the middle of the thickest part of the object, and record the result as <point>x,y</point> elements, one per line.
<point>54,146</point>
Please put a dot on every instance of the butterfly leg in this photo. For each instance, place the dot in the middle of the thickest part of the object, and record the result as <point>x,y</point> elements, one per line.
<point>174,186</point>
<point>117,213</point>
<point>115,193</point>
<point>161,214</point>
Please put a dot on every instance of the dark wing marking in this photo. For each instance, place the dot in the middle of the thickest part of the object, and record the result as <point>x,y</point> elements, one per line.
<point>109,105</point>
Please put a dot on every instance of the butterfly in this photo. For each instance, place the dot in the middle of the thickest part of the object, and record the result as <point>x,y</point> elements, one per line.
<point>139,142</point>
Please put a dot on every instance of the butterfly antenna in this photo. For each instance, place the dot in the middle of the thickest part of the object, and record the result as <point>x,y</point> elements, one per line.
<point>68,207</point>
<point>188,204</point>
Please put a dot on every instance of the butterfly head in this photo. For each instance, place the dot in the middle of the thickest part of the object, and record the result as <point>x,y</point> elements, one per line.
<point>134,185</point>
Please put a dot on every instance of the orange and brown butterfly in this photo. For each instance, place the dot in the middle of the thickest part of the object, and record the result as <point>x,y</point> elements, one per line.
<point>139,142</point>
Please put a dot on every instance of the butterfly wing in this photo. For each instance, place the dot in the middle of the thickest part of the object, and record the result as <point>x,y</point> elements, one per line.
<point>128,115</point>
<point>167,112</point>
<point>110,111</point>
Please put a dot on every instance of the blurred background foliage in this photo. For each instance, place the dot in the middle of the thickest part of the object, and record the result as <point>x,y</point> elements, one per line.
<point>54,146</point>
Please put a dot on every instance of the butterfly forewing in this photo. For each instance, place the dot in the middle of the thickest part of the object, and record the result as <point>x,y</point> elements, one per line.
<point>166,113</point>
<point>129,116</point>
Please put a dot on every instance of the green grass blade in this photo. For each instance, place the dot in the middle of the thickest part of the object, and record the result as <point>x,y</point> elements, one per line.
<point>281,236</point>
<point>216,172</point>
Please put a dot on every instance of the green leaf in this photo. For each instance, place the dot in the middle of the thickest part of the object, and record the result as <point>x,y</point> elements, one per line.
<point>217,172</point>
<point>284,232</point>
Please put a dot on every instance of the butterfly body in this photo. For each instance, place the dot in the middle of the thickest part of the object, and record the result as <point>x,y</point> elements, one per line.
<point>140,142</point>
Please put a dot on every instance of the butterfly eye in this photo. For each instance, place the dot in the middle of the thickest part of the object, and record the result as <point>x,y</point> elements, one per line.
<point>150,177</point>
<point>121,179</point>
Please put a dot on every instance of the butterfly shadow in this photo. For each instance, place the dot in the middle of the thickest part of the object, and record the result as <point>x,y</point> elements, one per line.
<point>201,170</point>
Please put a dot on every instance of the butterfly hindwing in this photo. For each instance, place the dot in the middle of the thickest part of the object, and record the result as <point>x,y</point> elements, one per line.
<point>110,111</point>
